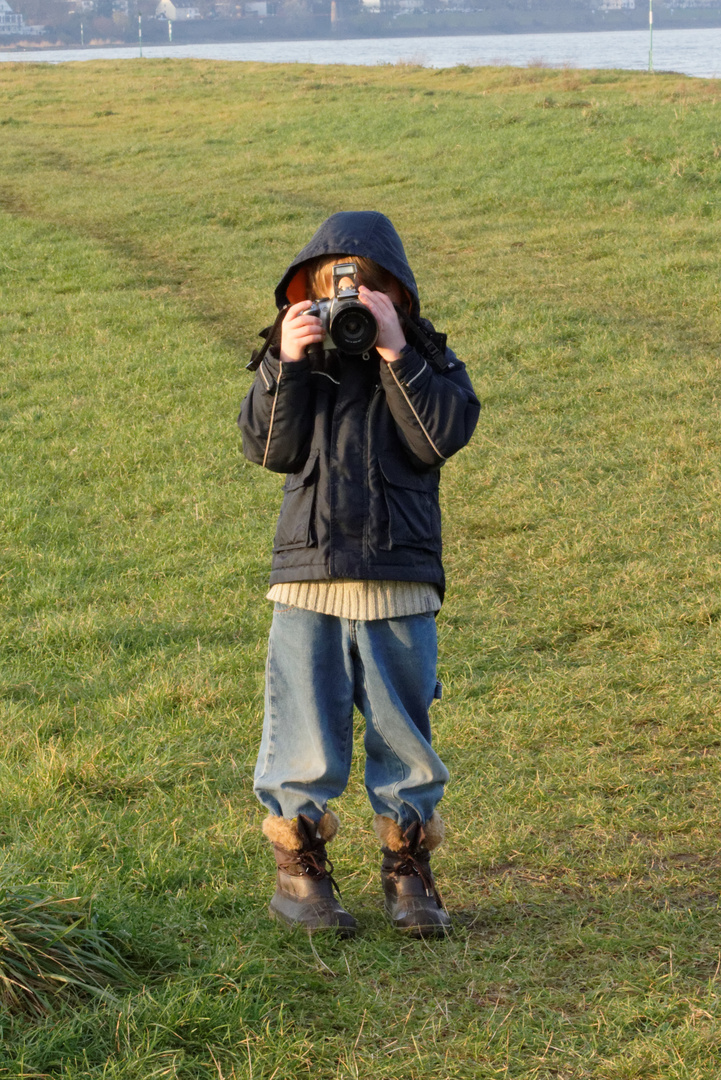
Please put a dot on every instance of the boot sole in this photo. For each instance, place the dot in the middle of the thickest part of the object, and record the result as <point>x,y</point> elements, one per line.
<point>423,932</point>
<point>293,924</point>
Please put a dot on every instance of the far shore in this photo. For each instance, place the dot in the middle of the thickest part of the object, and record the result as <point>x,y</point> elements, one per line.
<point>446,24</point>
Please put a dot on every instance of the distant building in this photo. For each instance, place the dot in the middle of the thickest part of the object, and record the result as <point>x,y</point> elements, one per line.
<point>618,5</point>
<point>11,22</point>
<point>166,9</point>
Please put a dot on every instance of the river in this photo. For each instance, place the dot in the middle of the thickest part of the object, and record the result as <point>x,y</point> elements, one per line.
<point>693,52</point>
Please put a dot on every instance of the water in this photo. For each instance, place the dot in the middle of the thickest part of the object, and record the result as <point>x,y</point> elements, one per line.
<point>693,52</point>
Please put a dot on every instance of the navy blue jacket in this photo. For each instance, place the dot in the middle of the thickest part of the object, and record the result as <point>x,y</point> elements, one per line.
<point>362,442</point>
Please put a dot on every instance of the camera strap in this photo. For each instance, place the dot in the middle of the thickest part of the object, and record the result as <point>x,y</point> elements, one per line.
<point>272,337</point>
<point>429,343</point>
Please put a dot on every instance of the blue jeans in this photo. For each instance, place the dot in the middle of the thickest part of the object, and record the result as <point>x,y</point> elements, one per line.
<point>318,667</point>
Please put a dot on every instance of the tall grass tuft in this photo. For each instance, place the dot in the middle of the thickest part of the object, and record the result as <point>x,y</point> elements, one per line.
<point>48,946</point>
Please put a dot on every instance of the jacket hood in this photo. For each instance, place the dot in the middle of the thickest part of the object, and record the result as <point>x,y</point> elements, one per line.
<point>351,232</point>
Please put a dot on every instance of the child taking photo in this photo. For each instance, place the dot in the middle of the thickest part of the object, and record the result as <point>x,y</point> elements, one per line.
<point>361,432</point>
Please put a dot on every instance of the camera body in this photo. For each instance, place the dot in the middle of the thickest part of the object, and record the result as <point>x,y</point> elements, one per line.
<point>348,324</point>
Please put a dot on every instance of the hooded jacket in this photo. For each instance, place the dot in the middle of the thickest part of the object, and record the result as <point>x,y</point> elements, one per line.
<point>362,441</point>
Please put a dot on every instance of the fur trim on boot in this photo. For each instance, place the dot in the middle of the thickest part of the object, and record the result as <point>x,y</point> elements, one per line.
<point>391,835</point>
<point>284,831</point>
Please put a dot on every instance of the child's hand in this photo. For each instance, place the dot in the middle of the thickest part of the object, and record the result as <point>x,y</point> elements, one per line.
<point>391,338</point>
<point>298,332</point>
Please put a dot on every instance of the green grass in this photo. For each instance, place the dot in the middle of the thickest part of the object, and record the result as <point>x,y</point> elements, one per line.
<point>47,947</point>
<point>564,232</point>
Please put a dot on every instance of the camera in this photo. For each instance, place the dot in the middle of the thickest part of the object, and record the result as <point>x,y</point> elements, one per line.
<point>348,324</point>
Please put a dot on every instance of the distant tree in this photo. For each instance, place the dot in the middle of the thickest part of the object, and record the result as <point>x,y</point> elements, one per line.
<point>102,28</point>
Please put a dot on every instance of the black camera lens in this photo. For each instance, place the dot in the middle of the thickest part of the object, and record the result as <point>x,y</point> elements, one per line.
<point>354,329</point>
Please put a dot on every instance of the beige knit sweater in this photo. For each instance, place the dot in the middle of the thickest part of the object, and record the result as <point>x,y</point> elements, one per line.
<point>350,599</point>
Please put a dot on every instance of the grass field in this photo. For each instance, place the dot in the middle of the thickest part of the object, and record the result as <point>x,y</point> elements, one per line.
<point>564,232</point>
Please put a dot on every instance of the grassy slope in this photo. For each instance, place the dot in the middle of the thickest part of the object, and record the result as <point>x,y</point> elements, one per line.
<point>563,231</point>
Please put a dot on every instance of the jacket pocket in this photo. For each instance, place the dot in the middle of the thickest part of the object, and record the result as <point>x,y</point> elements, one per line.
<point>414,517</point>
<point>295,524</point>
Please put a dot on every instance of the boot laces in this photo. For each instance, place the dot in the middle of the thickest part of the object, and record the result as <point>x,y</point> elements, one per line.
<point>413,859</point>
<point>409,863</point>
<point>311,861</point>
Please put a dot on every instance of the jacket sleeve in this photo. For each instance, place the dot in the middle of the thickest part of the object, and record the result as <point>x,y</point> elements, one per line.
<point>276,418</point>
<point>435,412</point>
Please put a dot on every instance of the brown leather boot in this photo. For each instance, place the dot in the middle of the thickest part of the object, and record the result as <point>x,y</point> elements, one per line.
<point>304,894</point>
<point>411,899</point>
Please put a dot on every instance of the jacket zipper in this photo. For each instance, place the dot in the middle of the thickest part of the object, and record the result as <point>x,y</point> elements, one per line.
<point>369,410</point>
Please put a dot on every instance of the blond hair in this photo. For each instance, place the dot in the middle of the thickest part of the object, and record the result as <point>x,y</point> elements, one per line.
<point>319,276</point>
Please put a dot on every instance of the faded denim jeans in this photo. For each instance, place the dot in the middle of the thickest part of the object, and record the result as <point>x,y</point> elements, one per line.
<point>318,667</point>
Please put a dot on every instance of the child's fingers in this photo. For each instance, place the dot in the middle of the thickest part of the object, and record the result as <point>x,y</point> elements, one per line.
<point>307,333</point>
<point>390,332</point>
<point>380,305</point>
<point>294,343</point>
<point>376,300</point>
<point>297,309</point>
<point>301,320</point>
<point>300,333</point>
<point>367,299</point>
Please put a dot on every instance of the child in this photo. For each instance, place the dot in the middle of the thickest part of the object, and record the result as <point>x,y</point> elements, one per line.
<point>356,576</point>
